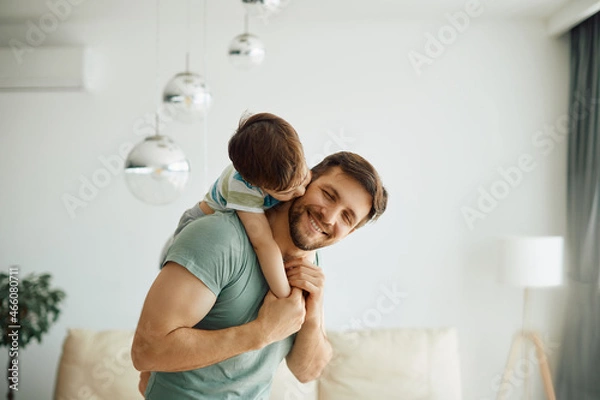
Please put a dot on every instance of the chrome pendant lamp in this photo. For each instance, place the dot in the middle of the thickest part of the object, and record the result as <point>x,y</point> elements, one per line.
<point>246,51</point>
<point>187,92</point>
<point>156,170</point>
<point>264,8</point>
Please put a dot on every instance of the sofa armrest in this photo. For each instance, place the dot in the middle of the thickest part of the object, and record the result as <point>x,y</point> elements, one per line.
<point>96,365</point>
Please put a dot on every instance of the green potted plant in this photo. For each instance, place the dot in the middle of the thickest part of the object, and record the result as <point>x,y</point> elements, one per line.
<point>28,306</point>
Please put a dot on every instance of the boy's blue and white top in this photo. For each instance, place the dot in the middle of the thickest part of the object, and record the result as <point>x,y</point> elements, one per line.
<point>232,192</point>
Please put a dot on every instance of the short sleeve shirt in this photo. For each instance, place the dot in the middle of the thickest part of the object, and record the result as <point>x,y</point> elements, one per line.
<point>232,192</point>
<point>217,251</point>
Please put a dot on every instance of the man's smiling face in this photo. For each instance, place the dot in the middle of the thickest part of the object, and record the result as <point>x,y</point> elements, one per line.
<point>332,207</point>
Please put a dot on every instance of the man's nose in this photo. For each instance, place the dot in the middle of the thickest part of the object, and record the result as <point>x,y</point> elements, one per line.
<point>329,215</point>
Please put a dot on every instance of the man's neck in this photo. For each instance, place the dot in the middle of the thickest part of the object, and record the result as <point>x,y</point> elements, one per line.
<point>280,226</point>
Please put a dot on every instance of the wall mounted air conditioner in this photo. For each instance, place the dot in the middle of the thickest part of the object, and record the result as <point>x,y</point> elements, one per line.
<point>42,68</point>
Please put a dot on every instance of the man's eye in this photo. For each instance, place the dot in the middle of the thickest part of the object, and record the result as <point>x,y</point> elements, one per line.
<point>347,219</point>
<point>326,193</point>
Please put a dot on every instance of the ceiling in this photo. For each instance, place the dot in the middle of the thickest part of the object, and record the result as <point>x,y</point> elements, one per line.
<point>15,11</point>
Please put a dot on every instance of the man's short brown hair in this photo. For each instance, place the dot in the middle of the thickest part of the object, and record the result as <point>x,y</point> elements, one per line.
<point>363,172</point>
<point>267,152</point>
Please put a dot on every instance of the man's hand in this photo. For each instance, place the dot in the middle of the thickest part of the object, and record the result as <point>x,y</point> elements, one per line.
<point>304,275</point>
<point>280,318</point>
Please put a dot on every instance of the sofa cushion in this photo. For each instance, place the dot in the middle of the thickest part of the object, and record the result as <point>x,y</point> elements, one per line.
<point>416,364</point>
<point>97,365</point>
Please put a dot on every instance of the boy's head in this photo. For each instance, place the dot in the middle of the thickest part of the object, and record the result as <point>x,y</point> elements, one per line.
<point>267,152</point>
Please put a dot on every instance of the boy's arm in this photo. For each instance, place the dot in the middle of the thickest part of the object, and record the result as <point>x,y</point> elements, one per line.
<point>165,340</point>
<point>311,351</point>
<point>268,253</point>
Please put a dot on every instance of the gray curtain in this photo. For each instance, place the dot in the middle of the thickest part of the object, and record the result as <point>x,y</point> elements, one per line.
<point>578,376</point>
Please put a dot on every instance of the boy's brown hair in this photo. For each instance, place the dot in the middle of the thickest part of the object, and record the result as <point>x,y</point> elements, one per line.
<point>267,152</point>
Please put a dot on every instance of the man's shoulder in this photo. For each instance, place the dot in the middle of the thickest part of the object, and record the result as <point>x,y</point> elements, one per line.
<point>213,239</point>
<point>217,224</point>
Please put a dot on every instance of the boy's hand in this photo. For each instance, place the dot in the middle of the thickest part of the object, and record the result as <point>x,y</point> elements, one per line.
<point>305,275</point>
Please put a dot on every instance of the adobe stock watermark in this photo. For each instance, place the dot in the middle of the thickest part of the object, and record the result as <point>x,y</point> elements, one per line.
<point>113,164</point>
<point>527,366</point>
<point>13,326</point>
<point>435,44</point>
<point>510,177</point>
<point>336,142</point>
<point>39,29</point>
<point>387,301</point>
<point>106,372</point>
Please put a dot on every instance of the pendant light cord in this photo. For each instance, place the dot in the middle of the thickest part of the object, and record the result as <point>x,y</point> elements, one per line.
<point>157,128</point>
<point>205,122</point>
<point>189,33</point>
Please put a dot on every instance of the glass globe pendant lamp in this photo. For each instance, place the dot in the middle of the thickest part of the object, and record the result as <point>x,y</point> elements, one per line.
<point>246,51</point>
<point>187,96</point>
<point>264,8</point>
<point>156,170</point>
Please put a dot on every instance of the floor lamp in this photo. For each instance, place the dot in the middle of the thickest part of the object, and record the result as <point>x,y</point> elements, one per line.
<point>530,262</point>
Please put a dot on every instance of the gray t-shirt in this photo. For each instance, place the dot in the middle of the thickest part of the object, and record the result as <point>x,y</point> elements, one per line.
<point>215,248</point>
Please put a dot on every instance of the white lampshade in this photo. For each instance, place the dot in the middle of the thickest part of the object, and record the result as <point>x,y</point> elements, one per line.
<point>531,261</point>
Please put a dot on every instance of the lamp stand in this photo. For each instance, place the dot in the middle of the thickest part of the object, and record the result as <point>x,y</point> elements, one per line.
<point>522,338</point>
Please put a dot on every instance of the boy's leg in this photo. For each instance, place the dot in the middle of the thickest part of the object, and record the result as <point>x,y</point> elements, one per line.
<point>191,214</point>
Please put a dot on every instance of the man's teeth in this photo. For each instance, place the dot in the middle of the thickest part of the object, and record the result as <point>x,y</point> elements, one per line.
<point>315,226</point>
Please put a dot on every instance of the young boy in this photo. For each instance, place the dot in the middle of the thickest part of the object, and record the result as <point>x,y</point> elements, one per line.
<point>268,167</point>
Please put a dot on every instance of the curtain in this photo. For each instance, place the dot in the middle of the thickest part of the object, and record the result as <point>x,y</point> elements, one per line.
<point>578,374</point>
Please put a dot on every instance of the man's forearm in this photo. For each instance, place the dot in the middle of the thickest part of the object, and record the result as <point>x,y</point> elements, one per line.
<point>311,352</point>
<point>185,349</point>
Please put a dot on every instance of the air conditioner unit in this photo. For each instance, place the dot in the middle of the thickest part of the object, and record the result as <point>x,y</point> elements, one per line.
<point>43,68</point>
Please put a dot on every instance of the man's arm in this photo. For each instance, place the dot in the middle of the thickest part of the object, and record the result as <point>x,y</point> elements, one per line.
<point>311,351</point>
<point>165,340</point>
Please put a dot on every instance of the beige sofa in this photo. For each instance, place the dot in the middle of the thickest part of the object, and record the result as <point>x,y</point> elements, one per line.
<point>407,364</point>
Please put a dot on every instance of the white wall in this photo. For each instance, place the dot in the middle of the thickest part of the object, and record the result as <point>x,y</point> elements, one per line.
<point>435,138</point>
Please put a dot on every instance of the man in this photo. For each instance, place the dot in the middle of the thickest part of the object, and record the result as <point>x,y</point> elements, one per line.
<point>208,322</point>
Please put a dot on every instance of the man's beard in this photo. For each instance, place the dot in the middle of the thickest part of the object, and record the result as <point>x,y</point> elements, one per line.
<point>300,241</point>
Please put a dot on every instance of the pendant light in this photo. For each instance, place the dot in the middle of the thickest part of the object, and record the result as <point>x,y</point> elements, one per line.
<point>264,8</point>
<point>187,92</point>
<point>156,170</point>
<point>246,51</point>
